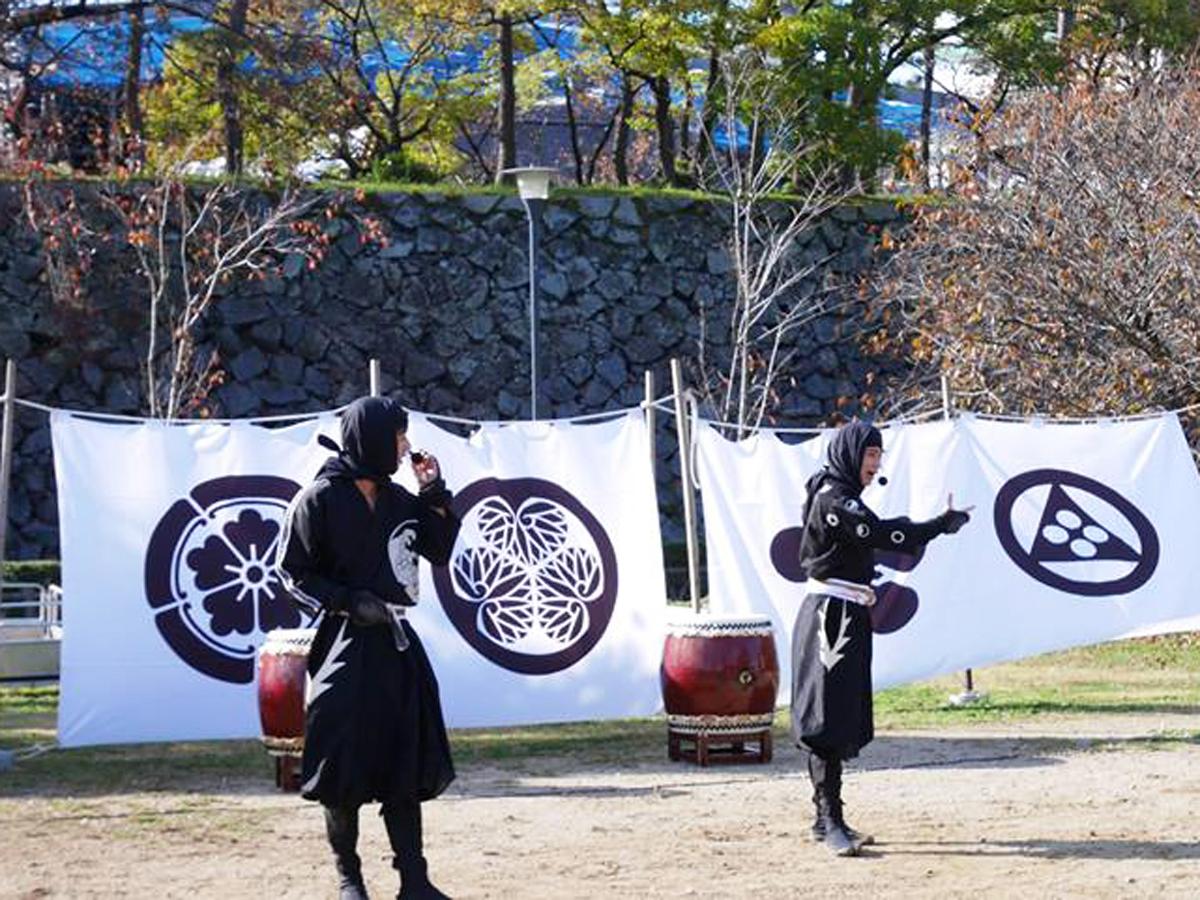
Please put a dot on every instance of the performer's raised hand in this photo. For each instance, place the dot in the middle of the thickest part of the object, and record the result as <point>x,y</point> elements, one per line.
<point>429,480</point>
<point>425,467</point>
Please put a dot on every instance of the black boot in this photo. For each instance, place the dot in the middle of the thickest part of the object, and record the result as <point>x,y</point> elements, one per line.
<point>826,775</point>
<point>403,822</point>
<point>341,826</point>
<point>818,827</point>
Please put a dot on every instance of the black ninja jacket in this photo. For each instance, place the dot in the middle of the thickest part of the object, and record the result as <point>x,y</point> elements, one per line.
<point>841,534</point>
<point>334,542</point>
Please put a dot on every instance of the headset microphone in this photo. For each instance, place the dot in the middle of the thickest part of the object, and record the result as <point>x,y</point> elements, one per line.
<point>882,479</point>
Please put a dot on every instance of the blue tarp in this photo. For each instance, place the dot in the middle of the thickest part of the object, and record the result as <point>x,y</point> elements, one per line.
<point>93,55</point>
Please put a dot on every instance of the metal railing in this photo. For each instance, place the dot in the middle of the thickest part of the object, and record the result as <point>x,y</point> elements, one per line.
<point>30,610</point>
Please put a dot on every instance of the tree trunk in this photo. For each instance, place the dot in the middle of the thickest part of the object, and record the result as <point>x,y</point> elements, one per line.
<point>1066,22</point>
<point>621,147</point>
<point>708,116</point>
<point>666,129</point>
<point>227,93</point>
<point>685,123</point>
<point>130,150</point>
<point>927,113</point>
<point>507,151</point>
<point>573,128</point>
<point>712,100</point>
<point>590,177</point>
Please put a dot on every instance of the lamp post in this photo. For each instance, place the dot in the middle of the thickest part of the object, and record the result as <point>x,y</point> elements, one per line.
<point>533,186</point>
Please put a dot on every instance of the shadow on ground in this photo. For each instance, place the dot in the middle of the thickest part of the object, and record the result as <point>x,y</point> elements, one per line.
<point>1037,848</point>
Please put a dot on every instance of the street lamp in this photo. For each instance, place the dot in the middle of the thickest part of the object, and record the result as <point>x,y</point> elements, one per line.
<point>533,186</point>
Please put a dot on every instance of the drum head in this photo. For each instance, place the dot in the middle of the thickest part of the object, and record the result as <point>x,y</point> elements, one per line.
<point>281,640</point>
<point>720,626</point>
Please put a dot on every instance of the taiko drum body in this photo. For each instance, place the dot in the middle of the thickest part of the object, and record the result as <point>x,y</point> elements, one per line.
<point>282,665</point>
<point>719,674</point>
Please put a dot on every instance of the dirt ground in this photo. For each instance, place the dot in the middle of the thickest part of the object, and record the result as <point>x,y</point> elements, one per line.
<point>1071,807</point>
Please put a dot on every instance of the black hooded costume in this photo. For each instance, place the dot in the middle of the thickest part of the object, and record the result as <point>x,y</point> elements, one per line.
<point>373,724</point>
<point>832,641</point>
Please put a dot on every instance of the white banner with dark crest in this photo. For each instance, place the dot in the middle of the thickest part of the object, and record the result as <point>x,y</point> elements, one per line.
<point>552,606</point>
<point>168,539</point>
<point>551,609</point>
<point>1080,533</point>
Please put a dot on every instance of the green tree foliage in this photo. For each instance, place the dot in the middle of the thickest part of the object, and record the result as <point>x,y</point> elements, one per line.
<point>381,86</point>
<point>183,112</point>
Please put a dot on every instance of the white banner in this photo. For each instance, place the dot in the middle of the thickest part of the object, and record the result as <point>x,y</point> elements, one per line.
<point>1080,534</point>
<point>167,536</point>
<point>551,609</point>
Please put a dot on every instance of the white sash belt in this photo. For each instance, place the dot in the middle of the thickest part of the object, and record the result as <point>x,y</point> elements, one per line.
<point>862,594</point>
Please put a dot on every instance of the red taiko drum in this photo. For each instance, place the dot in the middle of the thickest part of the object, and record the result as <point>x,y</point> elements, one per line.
<point>719,674</point>
<point>282,664</point>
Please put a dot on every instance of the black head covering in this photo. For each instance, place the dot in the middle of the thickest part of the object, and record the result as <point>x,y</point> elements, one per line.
<point>368,450</point>
<point>844,459</point>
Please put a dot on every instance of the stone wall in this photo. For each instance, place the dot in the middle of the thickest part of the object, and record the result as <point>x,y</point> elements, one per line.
<point>624,284</point>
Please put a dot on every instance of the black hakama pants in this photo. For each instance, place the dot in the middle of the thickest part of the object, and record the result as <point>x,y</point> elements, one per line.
<point>373,727</point>
<point>832,712</point>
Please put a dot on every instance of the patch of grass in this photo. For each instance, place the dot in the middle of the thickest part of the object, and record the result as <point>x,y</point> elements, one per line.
<point>562,188</point>
<point>1177,652</point>
<point>1144,675</point>
<point>595,742</point>
<point>40,571</point>
<point>42,699</point>
<point>1152,675</point>
<point>134,767</point>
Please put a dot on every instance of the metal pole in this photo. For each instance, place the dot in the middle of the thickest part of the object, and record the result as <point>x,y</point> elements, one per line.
<point>373,369</point>
<point>683,431</point>
<point>968,696</point>
<point>533,209</point>
<point>650,418</point>
<point>6,450</point>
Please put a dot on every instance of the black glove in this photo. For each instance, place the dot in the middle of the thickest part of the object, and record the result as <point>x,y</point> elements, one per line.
<point>366,608</point>
<point>954,519</point>
<point>435,493</point>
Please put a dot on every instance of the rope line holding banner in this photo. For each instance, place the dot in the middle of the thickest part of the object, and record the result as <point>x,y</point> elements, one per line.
<point>662,404</point>
<point>1079,420</point>
<point>32,751</point>
<point>886,423</point>
<point>304,417</point>
<point>967,414</point>
<point>693,412</point>
<point>137,420</point>
<point>571,420</point>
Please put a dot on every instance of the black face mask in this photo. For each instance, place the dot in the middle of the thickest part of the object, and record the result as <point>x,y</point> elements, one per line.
<point>368,450</point>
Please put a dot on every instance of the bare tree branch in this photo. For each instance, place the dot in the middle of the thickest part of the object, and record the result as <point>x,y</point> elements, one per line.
<point>777,270</point>
<point>1064,277</point>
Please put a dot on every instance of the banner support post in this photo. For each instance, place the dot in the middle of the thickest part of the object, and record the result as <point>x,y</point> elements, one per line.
<point>373,375</point>
<point>683,432</point>
<point>968,696</point>
<point>650,420</point>
<point>6,451</point>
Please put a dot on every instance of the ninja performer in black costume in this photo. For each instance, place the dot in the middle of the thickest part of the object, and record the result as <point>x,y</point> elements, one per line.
<point>831,643</point>
<point>373,726</point>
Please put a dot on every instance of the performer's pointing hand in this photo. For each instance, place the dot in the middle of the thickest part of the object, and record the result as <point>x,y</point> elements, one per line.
<point>950,504</point>
<point>954,519</point>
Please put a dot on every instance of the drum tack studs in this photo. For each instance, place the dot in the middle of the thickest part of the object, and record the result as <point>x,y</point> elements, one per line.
<point>746,677</point>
